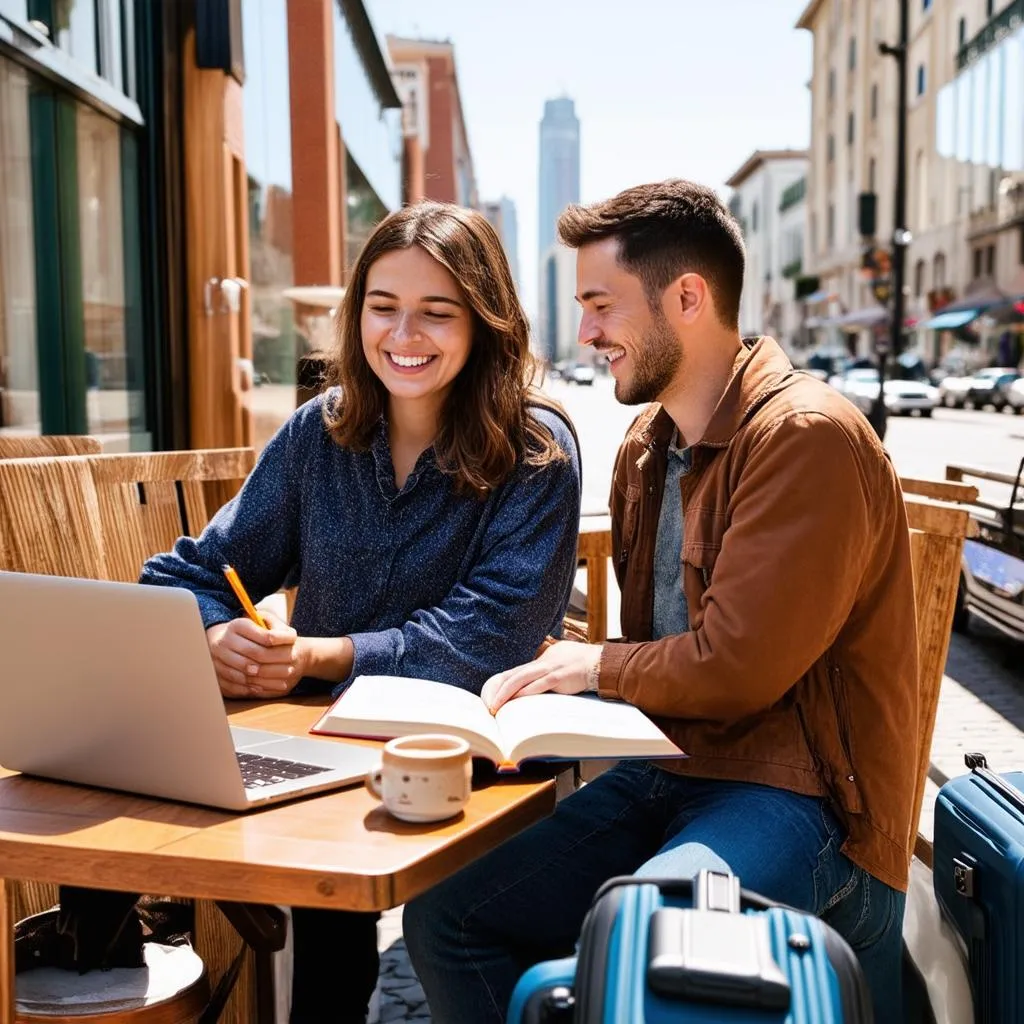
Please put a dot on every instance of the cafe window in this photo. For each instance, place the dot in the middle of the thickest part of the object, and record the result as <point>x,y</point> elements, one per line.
<point>874,101</point>
<point>19,356</point>
<point>71,330</point>
<point>99,36</point>
<point>278,340</point>
<point>978,258</point>
<point>990,261</point>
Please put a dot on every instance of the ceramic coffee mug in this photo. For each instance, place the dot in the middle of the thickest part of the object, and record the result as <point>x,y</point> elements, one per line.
<point>423,778</point>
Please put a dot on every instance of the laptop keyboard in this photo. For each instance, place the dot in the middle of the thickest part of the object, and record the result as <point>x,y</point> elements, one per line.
<point>259,771</point>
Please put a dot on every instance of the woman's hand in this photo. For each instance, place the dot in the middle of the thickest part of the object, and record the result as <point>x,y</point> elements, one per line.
<point>256,663</point>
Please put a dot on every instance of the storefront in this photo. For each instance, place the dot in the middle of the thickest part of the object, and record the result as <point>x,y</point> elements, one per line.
<point>72,306</point>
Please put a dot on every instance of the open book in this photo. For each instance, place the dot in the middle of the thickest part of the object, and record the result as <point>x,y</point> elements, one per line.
<point>545,725</point>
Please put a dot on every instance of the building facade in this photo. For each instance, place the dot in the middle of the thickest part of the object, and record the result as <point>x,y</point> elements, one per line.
<point>560,313</point>
<point>768,199</point>
<point>161,207</point>
<point>980,134</point>
<point>438,163</point>
<point>951,206</point>
<point>502,215</point>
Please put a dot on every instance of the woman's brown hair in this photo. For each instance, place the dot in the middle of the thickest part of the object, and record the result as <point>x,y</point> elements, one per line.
<point>486,425</point>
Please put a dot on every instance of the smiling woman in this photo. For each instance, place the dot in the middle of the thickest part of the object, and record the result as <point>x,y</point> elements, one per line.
<point>426,510</point>
<point>431,299</point>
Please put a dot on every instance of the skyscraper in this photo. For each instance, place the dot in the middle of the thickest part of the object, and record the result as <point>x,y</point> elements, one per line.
<point>559,167</point>
<point>558,187</point>
<point>502,215</point>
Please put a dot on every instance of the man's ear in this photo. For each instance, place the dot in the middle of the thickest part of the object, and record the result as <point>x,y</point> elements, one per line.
<point>687,297</point>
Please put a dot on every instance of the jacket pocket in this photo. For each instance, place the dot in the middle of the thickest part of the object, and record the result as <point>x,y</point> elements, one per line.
<point>825,719</point>
<point>630,512</point>
<point>703,530</point>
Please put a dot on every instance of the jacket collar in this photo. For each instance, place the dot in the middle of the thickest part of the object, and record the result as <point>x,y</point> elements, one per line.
<point>760,369</point>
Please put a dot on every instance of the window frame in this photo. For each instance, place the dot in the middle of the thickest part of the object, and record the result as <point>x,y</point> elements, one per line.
<point>37,53</point>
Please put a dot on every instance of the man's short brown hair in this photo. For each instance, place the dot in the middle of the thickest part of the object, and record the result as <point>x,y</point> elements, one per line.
<point>664,230</point>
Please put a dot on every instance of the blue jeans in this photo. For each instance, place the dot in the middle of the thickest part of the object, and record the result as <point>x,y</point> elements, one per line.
<point>471,937</point>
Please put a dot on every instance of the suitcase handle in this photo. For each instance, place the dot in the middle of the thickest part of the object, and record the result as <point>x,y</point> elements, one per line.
<point>685,887</point>
<point>978,765</point>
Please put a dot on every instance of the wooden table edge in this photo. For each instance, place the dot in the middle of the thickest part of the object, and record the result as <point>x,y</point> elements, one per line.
<point>164,871</point>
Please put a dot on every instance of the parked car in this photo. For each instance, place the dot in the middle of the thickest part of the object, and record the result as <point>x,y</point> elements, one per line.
<point>992,568</point>
<point>977,390</point>
<point>1015,395</point>
<point>583,373</point>
<point>987,388</point>
<point>902,397</point>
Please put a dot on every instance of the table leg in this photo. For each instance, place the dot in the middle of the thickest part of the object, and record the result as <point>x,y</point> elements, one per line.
<point>7,1005</point>
<point>266,996</point>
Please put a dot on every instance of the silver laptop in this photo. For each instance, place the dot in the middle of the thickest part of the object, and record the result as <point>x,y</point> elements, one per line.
<point>112,684</point>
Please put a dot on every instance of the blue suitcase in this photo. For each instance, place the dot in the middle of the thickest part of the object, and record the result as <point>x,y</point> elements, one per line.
<point>978,876</point>
<point>674,951</point>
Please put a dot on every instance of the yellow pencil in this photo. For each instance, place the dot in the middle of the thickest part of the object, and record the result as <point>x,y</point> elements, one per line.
<point>243,597</point>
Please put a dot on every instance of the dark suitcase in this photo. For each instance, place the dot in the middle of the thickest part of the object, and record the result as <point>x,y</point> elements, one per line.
<point>978,876</point>
<point>653,952</point>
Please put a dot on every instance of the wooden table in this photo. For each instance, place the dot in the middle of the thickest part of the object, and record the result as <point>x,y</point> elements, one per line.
<point>340,850</point>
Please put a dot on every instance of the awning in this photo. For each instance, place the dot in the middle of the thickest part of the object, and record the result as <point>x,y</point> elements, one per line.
<point>948,320</point>
<point>863,317</point>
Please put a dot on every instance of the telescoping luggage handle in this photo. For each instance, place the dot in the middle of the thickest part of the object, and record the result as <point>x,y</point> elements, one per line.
<point>711,952</point>
<point>978,765</point>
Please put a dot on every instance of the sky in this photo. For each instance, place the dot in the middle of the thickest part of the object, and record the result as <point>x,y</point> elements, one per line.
<point>663,88</point>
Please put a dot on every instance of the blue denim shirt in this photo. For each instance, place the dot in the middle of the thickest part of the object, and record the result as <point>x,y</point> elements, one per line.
<point>428,583</point>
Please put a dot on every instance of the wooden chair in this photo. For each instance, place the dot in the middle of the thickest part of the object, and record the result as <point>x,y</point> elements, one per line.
<point>101,517</point>
<point>937,534</point>
<point>48,444</point>
<point>146,502</point>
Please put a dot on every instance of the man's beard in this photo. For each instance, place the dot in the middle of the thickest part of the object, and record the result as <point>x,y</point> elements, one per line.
<point>655,362</point>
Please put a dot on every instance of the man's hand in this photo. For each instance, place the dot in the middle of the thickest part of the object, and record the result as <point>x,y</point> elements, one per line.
<point>564,667</point>
<point>254,663</point>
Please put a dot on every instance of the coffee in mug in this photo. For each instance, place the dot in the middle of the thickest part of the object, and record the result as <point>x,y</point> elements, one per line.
<point>423,778</point>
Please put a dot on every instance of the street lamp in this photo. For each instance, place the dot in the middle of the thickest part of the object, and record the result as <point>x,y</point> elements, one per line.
<point>900,236</point>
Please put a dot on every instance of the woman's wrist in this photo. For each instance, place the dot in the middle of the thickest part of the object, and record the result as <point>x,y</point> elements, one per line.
<point>326,657</point>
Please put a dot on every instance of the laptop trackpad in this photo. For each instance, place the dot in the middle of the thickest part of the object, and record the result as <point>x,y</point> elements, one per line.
<point>348,757</point>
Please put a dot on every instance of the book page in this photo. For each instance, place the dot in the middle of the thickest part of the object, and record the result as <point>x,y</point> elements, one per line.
<point>384,707</point>
<point>559,725</point>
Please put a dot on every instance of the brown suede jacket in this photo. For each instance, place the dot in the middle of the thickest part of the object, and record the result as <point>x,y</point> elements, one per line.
<point>800,667</point>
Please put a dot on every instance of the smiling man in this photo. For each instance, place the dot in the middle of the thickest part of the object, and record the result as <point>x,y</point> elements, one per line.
<point>762,549</point>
